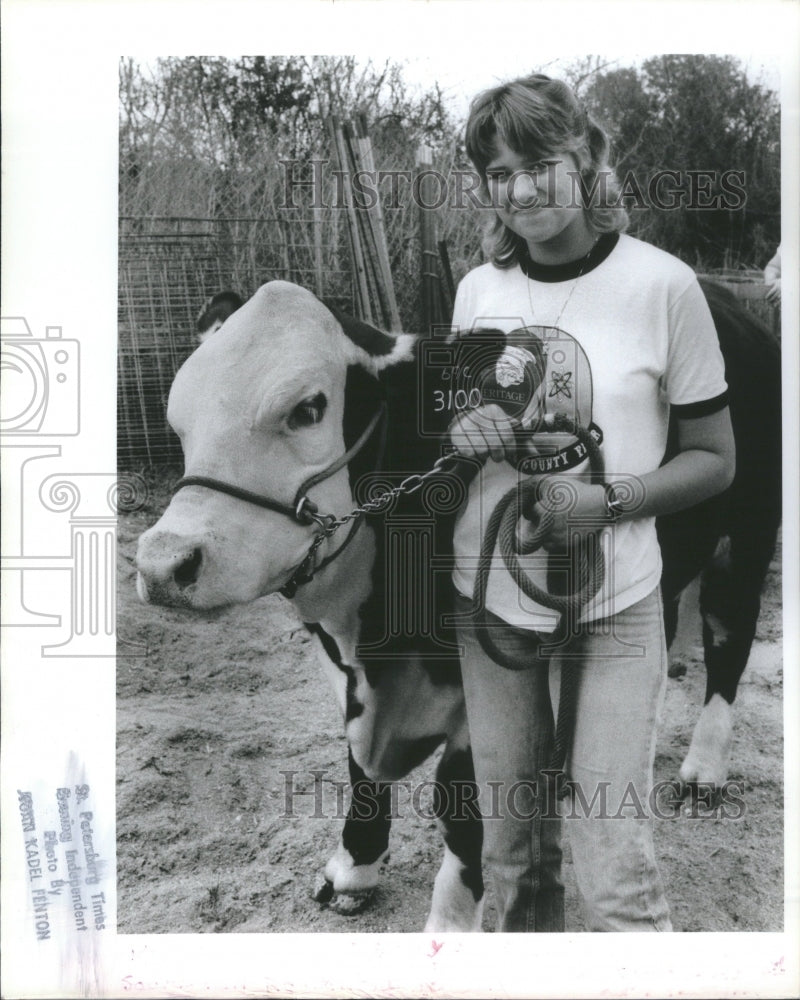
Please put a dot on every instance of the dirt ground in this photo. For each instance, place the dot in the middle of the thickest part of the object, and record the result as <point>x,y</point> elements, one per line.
<point>212,710</point>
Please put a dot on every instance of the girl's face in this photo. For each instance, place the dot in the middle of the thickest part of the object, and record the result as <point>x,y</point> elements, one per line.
<point>539,201</point>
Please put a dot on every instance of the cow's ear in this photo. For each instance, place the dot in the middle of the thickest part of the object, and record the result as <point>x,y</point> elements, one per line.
<point>383,349</point>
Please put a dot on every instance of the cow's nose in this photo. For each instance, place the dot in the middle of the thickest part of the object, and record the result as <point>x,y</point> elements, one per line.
<point>167,568</point>
<point>188,570</point>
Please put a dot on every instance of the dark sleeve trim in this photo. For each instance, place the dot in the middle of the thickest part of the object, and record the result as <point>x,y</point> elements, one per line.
<point>689,411</point>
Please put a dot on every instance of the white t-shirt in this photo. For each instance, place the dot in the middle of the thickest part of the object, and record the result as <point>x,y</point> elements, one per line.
<point>621,342</point>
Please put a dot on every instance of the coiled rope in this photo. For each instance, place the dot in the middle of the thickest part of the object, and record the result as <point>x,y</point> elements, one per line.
<point>586,571</point>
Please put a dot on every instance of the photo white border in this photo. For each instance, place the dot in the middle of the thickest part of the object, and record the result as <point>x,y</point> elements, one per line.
<point>60,62</point>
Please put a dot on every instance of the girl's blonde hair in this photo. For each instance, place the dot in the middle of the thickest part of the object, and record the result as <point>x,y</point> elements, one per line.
<point>539,116</point>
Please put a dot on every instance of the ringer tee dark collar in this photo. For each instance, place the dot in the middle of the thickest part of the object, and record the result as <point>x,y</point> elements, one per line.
<point>573,268</point>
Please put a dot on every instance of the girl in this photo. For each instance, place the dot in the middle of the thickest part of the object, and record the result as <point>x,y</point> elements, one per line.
<point>617,332</point>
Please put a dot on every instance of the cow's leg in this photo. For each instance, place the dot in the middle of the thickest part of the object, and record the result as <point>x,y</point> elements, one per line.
<point>687,541</point>
<point>350,877</point>
<point>348,880</point>
<point>730,601</point>
<point>457,903</point>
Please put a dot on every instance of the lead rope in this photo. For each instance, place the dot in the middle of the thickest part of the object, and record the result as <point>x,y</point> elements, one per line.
<point>586,564</point>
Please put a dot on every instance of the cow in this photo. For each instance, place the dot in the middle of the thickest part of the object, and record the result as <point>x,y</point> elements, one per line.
<point>280,415</point>
<point>729,540</point>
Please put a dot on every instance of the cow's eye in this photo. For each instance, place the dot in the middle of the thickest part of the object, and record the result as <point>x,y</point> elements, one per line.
<point>309,411</point>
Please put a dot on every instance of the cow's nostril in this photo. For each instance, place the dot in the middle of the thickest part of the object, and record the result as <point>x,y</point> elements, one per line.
<point>186,573</point>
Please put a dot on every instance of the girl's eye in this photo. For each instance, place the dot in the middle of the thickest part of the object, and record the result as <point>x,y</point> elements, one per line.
<point>496,176</point>
<point>308,412</point>
<point>541,166</point>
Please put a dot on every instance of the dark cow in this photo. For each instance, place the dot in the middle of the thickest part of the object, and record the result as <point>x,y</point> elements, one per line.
<point>729,539</point>
<point>279,417</point>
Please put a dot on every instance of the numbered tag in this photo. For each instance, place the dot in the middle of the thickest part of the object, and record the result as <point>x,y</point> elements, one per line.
<point>485,366</point>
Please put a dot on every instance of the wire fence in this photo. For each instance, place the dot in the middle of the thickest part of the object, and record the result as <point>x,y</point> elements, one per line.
<point>168,268</point>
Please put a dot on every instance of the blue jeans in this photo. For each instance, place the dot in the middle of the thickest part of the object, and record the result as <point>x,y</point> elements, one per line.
<point>623,669</point>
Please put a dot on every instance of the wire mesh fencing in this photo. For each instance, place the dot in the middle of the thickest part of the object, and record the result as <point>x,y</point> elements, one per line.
<point>168,268</point>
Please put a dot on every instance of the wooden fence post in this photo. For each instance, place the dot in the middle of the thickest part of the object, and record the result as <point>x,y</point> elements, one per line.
<point>385,282</point>
<point>362,289</point>
<point>429,274</point>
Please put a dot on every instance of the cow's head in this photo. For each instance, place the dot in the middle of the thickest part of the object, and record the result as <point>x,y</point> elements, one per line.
<point>261,408</point>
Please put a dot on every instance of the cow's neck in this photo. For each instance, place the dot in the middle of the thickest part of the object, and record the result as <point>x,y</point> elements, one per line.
<point>336,593</point>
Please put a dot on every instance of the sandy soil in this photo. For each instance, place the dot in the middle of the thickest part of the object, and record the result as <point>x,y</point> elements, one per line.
<point>212,710</point>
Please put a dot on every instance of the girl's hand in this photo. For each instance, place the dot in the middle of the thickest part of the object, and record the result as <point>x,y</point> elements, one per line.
<point>567,506</point>
<point>485,430</point>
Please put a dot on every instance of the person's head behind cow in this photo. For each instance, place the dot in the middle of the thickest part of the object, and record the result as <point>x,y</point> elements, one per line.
<point>214,313</point>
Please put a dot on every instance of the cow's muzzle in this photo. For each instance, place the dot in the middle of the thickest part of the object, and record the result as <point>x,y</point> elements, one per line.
<point>169,568</point>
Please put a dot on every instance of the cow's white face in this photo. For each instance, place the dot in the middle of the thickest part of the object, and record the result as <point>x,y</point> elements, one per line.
<point>260,408</point>
<point>202,337</point>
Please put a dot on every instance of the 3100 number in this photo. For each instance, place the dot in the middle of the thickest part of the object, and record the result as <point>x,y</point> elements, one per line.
<point>458,400</point>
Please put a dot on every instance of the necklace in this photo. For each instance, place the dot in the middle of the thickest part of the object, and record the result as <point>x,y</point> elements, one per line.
<point>581,270</point>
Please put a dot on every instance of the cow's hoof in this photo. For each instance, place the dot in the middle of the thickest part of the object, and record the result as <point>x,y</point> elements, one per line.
<point>323,890</point>
<point>706,763</point>
<point>348,904</point>
<point>677,668</point>
<point>699,797</point>
<point>345,903</point>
